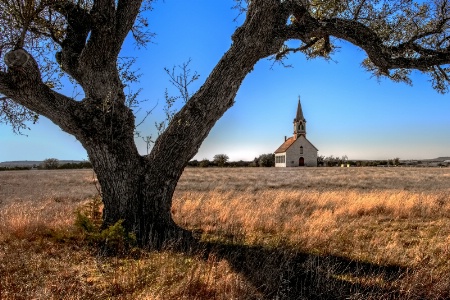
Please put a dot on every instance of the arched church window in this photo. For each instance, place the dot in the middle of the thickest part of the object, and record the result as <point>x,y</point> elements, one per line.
<point>303,126</point>
<point>301,149</point>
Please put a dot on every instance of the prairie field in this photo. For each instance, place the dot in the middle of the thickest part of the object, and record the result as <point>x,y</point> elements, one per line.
<point>297,233</point>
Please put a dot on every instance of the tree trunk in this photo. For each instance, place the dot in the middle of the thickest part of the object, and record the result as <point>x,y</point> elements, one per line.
<point>134,189</point>
<point>132,193</point>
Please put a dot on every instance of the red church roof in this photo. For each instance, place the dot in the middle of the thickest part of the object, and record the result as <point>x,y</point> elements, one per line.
<point>283,148</point>
<point>285,145</point>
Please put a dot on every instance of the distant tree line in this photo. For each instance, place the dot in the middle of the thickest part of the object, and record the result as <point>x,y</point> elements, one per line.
<point>268,160</point>
<point>51,164</point>
<point>15,168</point>
<point>222,160</point>
<point>336,161</point>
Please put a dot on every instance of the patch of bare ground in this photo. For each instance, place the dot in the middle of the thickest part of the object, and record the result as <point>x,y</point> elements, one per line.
<point>265,233</point>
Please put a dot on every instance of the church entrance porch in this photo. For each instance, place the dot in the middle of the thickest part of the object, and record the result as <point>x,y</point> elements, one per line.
<point>301,162</point>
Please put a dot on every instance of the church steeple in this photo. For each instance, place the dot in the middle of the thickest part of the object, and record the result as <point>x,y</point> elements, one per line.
<point>299,122</point>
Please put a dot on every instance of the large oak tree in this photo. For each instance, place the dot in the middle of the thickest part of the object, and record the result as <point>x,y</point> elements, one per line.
<point>86,36</point>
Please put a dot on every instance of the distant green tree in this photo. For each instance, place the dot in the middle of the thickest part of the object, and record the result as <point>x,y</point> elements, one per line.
<point>254,163</point>
<point>193,163</point>
<point>266,160</point>
<point>331,161</point>
<point>50,163</point>
<point>220,159</point>
<point>320,160</point>
<point>204,163</point>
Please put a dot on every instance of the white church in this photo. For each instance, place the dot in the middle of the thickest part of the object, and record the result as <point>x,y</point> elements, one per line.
<point>297,151</point>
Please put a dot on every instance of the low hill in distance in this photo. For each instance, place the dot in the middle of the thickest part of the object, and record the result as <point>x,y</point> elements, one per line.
<point>33,163</point>
<point>443,158</point>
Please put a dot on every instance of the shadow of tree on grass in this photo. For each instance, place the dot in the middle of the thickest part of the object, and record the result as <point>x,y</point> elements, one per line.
<point>286,274</point>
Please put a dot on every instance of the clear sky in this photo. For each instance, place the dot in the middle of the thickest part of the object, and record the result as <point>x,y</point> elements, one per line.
<point>348,112</point>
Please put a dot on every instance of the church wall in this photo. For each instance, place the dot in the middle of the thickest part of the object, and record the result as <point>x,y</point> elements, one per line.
<point>292,155</point>
<point>309,153</point>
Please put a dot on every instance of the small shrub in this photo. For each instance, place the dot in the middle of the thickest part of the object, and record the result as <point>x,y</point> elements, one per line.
<point>84,223</point>
<point>112,240</point>
<point>115,239</point>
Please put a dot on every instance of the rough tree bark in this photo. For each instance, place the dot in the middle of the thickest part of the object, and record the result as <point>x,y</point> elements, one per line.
<point>139,189</point>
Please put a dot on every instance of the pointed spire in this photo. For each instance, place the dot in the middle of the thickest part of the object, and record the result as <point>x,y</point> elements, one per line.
<point>299,116</point>
<point>299,122</point>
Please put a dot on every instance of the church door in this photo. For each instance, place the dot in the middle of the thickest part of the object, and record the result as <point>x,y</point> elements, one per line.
<point>301,162</point>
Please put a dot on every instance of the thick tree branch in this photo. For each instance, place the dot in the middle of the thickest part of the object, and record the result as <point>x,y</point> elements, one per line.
<point>385,57</point>
<point>127,11</point>
<point>382,56</point>
<point>4,86</point>
<point>100,47</point>
<point>110,27</point>
<point>77,31</point>
<point>97,61</point>
<point>23,83</point>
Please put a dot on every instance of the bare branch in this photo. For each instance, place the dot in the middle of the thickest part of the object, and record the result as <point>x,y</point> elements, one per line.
<point>358,10</point>
<point>285,50</point>
<point>183,80</point>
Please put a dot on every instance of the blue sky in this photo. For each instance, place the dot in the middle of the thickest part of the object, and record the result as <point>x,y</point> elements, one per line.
<point>348,112</point>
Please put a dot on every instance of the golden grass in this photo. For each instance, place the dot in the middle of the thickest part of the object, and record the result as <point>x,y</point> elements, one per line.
<point>316,233</point>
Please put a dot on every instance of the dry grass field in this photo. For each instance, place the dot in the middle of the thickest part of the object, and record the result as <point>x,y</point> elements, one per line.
<point>310,233</point>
